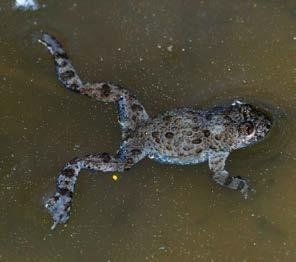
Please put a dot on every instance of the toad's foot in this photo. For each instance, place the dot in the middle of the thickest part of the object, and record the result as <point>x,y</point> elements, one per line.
<point>222,177</point>
<point>241,184</point>
<point>59,207</point>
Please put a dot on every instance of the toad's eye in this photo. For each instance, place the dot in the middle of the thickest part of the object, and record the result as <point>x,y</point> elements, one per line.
<point>247,128</point>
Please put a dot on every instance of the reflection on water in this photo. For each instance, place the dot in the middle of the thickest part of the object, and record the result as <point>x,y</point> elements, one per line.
<point>170,54</point>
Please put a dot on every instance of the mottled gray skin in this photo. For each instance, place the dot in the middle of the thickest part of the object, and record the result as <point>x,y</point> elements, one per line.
<point>181,136</point>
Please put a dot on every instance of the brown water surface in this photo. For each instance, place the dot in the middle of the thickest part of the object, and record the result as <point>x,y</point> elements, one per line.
<point>170,53</point>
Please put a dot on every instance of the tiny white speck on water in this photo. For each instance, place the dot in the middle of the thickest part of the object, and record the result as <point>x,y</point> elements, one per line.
<point>170,48</point>
<point>294,38</point>
<point>76,147</point>
<point>26,4</point>
<point>159,46</point>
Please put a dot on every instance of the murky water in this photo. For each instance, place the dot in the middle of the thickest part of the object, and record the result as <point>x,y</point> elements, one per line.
<point>170,54</point>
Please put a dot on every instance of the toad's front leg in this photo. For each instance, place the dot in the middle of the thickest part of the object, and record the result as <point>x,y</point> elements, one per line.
<point>222,177</point>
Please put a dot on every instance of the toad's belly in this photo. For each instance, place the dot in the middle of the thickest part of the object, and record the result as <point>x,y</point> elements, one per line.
<point>181,160</point>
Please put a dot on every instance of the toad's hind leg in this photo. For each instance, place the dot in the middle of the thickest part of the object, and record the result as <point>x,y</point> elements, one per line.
<point>64,69</point>
<point>60,203</point>
<point>131,111</point>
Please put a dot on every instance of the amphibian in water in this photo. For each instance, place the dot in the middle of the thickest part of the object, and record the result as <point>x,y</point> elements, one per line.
<point>181,136</point>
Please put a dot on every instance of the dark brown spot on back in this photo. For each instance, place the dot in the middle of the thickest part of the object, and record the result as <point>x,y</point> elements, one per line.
<point>218,137</point>
<point>63,191</point>
<point>67,75</point>
<point>106,157</point>
<point>61,55</point>
<point>196,141</point>
<point>207,133</point>
<point>68,172</point>
<point>136,151</point>
<point>134,107</point>
<point>155,134</point>
<point>169,135</point>
<point>106,90</point>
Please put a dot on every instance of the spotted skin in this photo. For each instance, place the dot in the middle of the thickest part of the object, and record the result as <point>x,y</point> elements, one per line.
<point>131,113</point>
<point>59,204</point>
<point>64,69</point>
<point>181,136</point>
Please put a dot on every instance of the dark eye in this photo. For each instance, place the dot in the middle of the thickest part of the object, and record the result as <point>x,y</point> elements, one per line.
<point>247,128</point>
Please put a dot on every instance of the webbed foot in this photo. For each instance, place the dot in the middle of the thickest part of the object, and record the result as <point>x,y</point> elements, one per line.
<point>242,186</point>
<point>59,207</point>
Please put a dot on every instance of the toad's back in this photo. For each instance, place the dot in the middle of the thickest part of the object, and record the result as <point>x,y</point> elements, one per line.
<point>186,136</point>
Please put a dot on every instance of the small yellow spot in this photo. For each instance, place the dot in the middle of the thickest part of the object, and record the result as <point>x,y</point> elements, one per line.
<point>115,178</point>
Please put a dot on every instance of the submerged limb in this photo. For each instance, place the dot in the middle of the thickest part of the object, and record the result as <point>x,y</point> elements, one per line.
<point>59,204</point>
<point>131,111</point>
<point>65,71</point>
<point>222,177</point>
